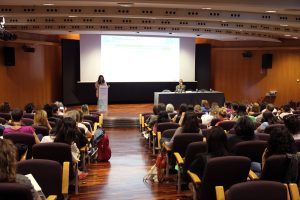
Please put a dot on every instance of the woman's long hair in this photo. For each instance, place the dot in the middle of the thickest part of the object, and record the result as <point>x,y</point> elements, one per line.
<point>101,80</point>
<point>217,141</point>
<point>190,123</point>
<point>67,132</point>
<point>8,161</point>
<point>40,118</point>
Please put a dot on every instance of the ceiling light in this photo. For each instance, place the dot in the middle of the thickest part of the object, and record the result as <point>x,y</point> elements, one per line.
<point>295,37</point>
<point>287,35</point>
<point>271,11</point>
<point>206,8</point>
<point>284,25</point>
<point>48,4</point>
<point>126,4</point>
<point>72,16</point>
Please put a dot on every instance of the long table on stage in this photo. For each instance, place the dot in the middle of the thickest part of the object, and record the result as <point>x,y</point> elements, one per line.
<point>193,98</point>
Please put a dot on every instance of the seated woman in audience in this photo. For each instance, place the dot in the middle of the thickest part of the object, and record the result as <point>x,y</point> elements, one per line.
<point>197,108</point>
<point>68,133</point>
<point>85,109</point>
<point>216,147</point>
<point>29,108</point>
<point>233,113</point>
<point>268,119</point>
<point>189,125</point>
<point>292,122</point>
<point>244,131</point>
<point>222,115</point>
<point>285,110</point>
<point>16,116</point>
<point>228,106</point>
<point>8,168</point>
<point>74,114</point>
<point>41,119</point>
<point>254,109</point>
<point>182,109</point>
<point>205,106</point>
<point>153,118</point>
<point>53,132</point>
<point>280,142</point>
<point>242,111</point>
<point>170,108</point>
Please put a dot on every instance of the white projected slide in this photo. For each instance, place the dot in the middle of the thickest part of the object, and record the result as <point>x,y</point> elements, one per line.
<point>140,59</point>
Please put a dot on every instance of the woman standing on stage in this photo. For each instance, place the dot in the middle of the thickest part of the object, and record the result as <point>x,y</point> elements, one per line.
<point>99,82</point>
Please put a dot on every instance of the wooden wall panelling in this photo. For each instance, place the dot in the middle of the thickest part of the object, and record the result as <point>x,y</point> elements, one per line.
<point>36,77</point>
<point>243,80</point>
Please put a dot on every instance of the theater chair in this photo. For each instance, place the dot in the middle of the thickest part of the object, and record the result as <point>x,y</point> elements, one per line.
<point>227,124</point>
<point>49,175</point>
<point>274,170</point>
<point>184,163</point>
<point>10,191</point>
<point>41,130</point>
<point>294,191</point>
<point>28,115</point>
<point>156,135</point>
<point>258,190</point>
<point>22,138</point>
<point>27,122</point>
<point>61,153</point>
<point>269,128</point>
<point>180,145</point>
<point>225,171</point>
<point>253,149</point>
<point>2,121</point>
<point>6,116</point>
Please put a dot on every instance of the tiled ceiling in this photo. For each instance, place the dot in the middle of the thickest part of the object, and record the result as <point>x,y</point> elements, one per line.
<point>268,20</point>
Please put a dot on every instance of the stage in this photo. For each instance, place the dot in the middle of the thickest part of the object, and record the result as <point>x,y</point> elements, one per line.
<point>122,115</point>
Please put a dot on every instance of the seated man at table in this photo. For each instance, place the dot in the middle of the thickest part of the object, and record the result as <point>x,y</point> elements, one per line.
<point>180,87</point>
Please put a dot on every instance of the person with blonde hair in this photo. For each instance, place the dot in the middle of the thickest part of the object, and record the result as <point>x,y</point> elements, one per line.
<point>41,119</point>
<point>8,168</point>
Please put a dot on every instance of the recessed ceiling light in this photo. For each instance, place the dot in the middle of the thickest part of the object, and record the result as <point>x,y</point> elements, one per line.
<point>72,16</point>
<point>271,11</point>
<point>224,21</point>
<point>287,35</point>
<point>48,4</point>
<point>206,8</point>
<point>128,4</point>
<point>284,25</point>
<point>295,37</point>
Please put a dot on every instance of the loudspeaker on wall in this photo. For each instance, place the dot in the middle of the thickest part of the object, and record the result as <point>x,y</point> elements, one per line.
<point>9,56</point>
<point>267,61</point>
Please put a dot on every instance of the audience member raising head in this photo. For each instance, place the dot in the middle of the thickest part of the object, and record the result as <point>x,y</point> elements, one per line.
<point>16,116</point>
<point>8,167</point>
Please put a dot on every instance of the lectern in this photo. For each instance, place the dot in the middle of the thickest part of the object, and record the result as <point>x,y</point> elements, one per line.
<point>103,98</point>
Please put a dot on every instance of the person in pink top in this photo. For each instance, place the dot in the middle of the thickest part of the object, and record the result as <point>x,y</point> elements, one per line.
<point>16,116</point>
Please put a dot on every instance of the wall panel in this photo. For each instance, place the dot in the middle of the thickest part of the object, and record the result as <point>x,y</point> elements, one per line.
<point>36,77</point>
<point>242,79</point>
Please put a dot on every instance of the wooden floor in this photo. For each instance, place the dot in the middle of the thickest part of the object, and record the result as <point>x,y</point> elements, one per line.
<point>122,177</point>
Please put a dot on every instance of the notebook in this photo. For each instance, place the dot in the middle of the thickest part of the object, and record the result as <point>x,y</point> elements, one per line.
<point>34,183</point>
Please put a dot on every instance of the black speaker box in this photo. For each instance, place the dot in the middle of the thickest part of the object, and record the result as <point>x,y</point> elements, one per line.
<point>266,61</point>
<point>9,56</point>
